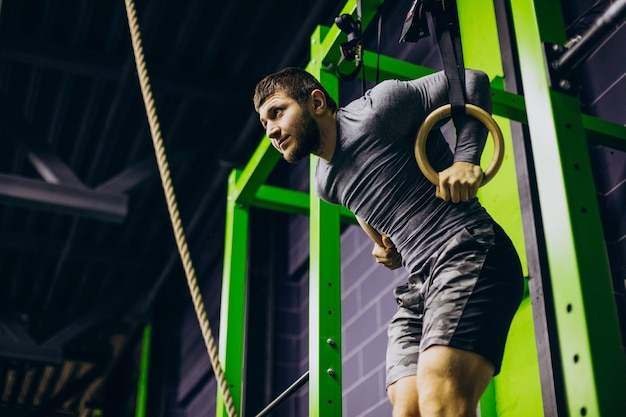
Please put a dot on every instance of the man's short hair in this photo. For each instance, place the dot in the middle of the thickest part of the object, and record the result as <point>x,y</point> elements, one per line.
<point>293,82</point>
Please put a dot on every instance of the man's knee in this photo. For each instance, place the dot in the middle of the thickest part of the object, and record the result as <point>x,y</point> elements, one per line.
<point>404,398</point>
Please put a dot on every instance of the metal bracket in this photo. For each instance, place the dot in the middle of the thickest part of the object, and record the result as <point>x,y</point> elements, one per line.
<point>562,61</point>
<point>563,82</point>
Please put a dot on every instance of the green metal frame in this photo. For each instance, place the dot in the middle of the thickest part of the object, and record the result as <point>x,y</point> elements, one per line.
<point>593,363</point>
<point>233,311</point>
<point>595,367</point>
<point>324,279</point>
<point>144,368</point>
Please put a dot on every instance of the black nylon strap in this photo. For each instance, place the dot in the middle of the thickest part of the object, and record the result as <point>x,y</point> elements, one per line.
<point>449,40</point>
<point>379,36</point>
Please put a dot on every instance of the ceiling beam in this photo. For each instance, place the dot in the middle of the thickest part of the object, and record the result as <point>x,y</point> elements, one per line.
<point>31,193</point>
<point>16,342</point>
<point>43,158</point>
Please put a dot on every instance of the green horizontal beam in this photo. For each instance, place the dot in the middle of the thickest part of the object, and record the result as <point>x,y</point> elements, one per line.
<point>290,201</point>
<point>391,68</point>
<point>602,132</point>
<point>506,104</point>
<point>282,199</point>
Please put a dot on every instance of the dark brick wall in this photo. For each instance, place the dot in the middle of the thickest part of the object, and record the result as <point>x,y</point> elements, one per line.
<point>367,306</point>
<point>367,303</point>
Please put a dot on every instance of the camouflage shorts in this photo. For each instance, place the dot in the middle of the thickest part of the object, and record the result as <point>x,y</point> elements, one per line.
<point>464,297</point>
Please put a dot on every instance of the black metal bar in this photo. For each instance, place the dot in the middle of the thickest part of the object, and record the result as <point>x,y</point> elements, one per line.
<point>284,395</point>
<point>600,29</point>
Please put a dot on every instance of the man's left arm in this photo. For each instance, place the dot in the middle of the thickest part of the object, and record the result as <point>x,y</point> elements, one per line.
<point>460,181</point>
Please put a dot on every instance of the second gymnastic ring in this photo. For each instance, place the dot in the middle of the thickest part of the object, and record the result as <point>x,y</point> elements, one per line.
<point>443,112</point>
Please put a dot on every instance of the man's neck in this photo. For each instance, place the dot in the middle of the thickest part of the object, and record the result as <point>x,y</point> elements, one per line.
<point>328,137</point>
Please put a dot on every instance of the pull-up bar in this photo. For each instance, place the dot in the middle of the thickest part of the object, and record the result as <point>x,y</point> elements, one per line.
<point>562,65</point>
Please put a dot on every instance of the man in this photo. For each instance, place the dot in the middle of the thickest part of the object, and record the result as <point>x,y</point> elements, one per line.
<point>447,338</point>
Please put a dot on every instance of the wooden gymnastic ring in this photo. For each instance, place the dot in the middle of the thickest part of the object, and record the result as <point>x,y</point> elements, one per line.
<point>443,112</point>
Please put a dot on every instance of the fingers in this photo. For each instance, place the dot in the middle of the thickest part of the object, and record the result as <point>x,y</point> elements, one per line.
<point>387,255</point>
<point>391,262</point>
<point>387,241</point>
<point>459,183</point>
<point>395,262</point>
<point>456,192</point>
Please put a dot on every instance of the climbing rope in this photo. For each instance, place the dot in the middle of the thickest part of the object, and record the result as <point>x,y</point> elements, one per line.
<point>172,206</point>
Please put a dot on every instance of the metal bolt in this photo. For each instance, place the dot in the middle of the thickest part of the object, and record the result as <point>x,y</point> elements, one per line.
<point>331,372</point>
<point>565,85</point>
<point>331,342</point>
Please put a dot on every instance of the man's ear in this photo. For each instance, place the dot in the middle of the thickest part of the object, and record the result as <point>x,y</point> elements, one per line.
<point>319,101</point>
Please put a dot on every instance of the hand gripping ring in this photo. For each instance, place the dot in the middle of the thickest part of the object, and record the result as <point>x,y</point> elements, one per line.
<point>443,112</point>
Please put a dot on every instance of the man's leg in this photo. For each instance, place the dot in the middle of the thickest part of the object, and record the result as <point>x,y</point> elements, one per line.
<point>450,381</point>
<point>471,299</point>
<point>404,398</point>
<point>405,332</point>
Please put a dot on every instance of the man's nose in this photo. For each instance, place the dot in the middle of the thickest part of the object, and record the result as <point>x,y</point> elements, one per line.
<point>272,131</point>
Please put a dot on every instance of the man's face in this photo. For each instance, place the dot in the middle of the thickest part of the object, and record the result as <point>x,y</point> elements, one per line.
<point>291,128</point>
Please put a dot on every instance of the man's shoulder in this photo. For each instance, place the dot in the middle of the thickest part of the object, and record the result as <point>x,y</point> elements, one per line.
<point>383,92</point>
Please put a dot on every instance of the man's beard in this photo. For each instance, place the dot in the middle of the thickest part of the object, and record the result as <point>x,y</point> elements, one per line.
<point>307,141</point>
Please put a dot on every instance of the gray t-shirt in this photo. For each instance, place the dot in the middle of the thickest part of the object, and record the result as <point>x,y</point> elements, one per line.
<point>373,171</point>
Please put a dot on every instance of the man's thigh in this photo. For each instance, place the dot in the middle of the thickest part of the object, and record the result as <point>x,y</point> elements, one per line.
<point>467,302</point>
<point>403,396</point>
<point>454,377</point>
<point>473,295</point>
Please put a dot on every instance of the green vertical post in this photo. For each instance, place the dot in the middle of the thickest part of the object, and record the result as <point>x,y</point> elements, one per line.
<point>144,365</point>
<point>501,195</point>
<point>233,305</point>
<point>325,395</point>
<point>594,367</point>
<point>508,391</point>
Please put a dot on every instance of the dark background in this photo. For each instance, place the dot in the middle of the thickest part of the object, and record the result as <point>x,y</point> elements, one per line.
<point>78,286</point>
